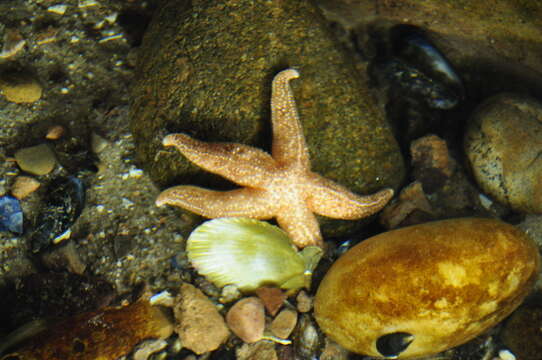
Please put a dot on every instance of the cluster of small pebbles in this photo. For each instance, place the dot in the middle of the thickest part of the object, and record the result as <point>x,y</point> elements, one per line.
<point>254,320</point>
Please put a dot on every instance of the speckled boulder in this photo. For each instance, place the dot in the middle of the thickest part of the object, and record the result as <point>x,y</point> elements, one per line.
<point>206,69</point>
<point>503,144</point>
<point>443,282</point>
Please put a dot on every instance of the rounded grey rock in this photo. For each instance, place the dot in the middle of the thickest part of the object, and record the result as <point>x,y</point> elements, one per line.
<point>503,144</point>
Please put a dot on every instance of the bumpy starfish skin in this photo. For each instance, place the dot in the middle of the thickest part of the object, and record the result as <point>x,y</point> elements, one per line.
<point>280,186</point>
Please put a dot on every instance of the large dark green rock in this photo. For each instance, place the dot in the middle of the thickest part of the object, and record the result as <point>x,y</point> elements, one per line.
<point>206,67</point>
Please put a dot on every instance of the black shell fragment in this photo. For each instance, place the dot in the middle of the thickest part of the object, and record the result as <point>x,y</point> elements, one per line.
<point>415,82</point>
<point>416,67</point>
<point>391,345</point>
<point>65,202</point>
<point>412,46</point>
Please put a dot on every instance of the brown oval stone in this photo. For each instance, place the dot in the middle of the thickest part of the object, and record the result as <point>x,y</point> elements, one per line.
<point>443,282</point>
<point>247,319</point>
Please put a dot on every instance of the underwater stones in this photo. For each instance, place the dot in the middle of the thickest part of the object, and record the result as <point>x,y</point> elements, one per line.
<point>37,160</point>
<point>11,214</point>
<point>207,72</point>
<point>503,144</point>
<point>246,319</point>
<point>261,350</point>
<point>442,282</point>
<point>284,323</point>
<point>20,88</point>
<point>200,326</point>
<point>24,186</point>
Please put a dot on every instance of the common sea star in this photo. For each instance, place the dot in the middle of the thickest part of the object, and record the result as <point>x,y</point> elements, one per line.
<point>280,186</point>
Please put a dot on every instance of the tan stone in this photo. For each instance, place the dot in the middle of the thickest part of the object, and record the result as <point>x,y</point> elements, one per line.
<point>411,199</point>
<point>37,160</point>
<point>334,351</point>
<point>200,326</point>
<point>24,186</point>
<point>304,302</point>
<point>55,132</point>
<point>262,350</point>
<point>285,322</point>
<point>246,319</point>
<point>21,88</point>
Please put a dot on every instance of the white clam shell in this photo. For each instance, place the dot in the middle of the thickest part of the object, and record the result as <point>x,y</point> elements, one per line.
<point>250,254</point>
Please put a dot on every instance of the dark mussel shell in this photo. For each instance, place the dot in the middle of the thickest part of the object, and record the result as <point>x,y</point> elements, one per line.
<point>391,345</point>
<point>411,63</point>
<point>414,82</point>
<point>412,46</point>
<point>64,203</point>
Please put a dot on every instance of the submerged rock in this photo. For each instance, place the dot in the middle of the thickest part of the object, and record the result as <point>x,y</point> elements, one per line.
<point>503,144</point>
<point>200,326</point>
<point>24,186</point>
<point>246,319</point>
<point>37,160</point>
<point>205,69</point>
<point>423,289</point>
<point>20,87</point>
<point>11,214</point>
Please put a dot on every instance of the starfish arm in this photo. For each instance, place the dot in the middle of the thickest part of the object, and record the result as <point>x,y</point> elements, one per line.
<point>330,199</point>
<point>301,225</point>
<point>288,140</point>
<point>239,163</point>
<point>212,204</point>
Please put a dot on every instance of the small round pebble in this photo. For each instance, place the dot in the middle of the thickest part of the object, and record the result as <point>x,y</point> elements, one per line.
<point>37,160</point>
<point>98,143</point>
<point>262,350</point>
<point>307,339</point>
<point>20,88</point>
<point>284,323</point>
<point>246,319</point>
<point>273,298</point>
<point>55,132</point>
<point>333,351</point>
<point>304,302</point>
<point>24,186</point>
<point>503,144</point>
<point>230,293</point>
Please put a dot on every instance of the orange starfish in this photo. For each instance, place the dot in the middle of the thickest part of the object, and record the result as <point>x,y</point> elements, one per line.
<point>280,186</point>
